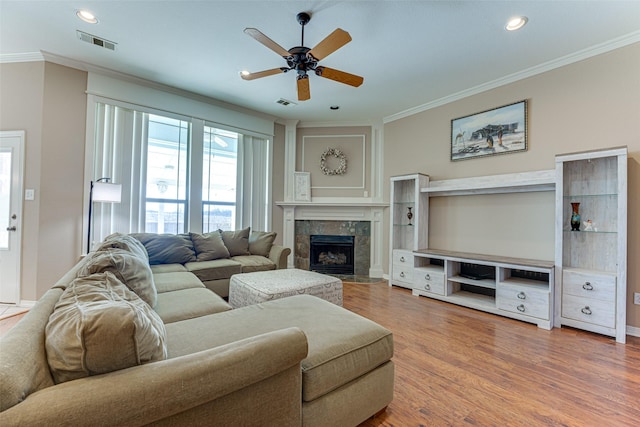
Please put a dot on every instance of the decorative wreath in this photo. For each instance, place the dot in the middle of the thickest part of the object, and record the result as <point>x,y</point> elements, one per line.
<point>333,152</point>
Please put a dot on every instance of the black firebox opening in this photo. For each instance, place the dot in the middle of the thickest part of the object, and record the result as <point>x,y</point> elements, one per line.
<point>332,254</point>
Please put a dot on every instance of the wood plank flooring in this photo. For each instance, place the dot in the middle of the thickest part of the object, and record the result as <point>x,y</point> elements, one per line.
<point>456,366</point>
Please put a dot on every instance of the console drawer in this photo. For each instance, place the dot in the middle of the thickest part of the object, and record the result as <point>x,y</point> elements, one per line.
<point>586,284</point>
<point>589,310</point>
<point>401,257</point>
<point>523,300</point>
<point>403,273</point>
<point>428,279</point>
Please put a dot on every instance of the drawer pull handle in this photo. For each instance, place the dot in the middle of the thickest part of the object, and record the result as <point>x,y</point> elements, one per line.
<point>401,259</point>
<point>587,286</point>
<point>521,308</point>
<point>522,295</point>
<point>586,310</point>
<point>427,277</point>
<point>402,274</point>
<point>427,287</point>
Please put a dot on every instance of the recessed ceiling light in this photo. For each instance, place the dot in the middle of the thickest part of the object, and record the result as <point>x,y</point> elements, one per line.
<point>86,16</point>
<point>516,23</point>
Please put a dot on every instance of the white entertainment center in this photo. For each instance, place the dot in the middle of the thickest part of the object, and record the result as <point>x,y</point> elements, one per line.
<point>583,287</point>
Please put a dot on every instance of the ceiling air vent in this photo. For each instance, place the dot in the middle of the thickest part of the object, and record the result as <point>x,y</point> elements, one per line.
<point>285,102</point>
<point>86,37</point>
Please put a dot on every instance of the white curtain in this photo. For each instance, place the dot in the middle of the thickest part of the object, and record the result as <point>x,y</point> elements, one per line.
<point>119,154</point>
<point>253,198</point>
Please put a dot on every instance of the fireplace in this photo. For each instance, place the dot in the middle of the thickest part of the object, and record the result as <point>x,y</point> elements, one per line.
<point>332,254</point>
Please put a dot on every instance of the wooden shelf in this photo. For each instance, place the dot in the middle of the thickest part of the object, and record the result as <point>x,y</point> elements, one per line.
<point>493,184</point>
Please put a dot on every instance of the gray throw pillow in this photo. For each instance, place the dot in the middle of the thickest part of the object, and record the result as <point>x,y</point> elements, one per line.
<point>260,242</point>
<point>167,248</point>
<point>237,242</point>
<point>209,246</point>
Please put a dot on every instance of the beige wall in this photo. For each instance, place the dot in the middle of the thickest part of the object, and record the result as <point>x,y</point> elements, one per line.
<point>591,104</point>
<point>49,103</point>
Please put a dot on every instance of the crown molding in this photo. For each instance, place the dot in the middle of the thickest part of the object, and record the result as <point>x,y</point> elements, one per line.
<point>8,58</point>
<point>521,75</point>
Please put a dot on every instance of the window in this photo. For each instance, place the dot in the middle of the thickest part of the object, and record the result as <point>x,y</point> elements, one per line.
<point>166,206</point>
<point>219,179</point>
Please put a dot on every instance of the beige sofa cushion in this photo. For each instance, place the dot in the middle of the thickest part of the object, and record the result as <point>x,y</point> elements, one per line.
<point>189,303</point>
<point>251,263</point>
<point>343,346</point>
<point>128,268</point>
<point>214,270</point>
<point>209,246</point>
<point>176,281</point>
<point>167,268</point>
<point>260,242</point>
<point>167,248</point>
<point>100,326</point>
<point>237,242</point>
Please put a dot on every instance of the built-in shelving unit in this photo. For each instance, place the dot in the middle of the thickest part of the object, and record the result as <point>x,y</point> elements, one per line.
<point>591,261</point>
<point>408,232</point>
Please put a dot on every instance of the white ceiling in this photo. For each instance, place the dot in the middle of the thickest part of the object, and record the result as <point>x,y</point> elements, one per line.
<point>411,53</point>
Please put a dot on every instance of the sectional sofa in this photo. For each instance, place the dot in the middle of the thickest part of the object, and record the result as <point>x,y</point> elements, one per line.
<point>115,342</point>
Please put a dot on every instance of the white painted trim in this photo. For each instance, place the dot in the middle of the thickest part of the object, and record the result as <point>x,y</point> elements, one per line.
<point>633,331</point>
<point>8,58</point>
<point>521,75</point>
<point>544,180</point>
<point>26,303</point>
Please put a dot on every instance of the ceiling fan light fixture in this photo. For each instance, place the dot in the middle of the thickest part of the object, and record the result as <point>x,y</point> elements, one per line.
<point>244,73</point>
<point>86,16</point>
<point>516,23</point>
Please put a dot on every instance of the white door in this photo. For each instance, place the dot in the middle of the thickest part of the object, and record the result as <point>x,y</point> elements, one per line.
<point>11,170</point>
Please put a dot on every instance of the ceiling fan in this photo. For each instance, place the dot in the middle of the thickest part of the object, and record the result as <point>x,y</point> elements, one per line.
<point>302,59</point>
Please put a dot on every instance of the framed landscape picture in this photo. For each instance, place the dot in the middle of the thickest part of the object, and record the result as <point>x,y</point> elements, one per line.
<point>501,130</point>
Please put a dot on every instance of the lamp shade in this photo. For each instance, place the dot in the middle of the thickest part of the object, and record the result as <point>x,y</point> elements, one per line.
<point>107,192</point>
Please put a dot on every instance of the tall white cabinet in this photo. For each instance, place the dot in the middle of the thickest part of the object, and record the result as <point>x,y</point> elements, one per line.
<point>591,263</point>
<point>407,234</point>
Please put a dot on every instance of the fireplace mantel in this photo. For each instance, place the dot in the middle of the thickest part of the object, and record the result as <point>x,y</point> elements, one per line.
<point>337,210</point>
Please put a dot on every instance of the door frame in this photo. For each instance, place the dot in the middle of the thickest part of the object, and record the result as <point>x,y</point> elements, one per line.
<point>17,172</point>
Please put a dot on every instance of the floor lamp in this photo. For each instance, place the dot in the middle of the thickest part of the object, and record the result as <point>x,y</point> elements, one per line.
<point>102,191</point>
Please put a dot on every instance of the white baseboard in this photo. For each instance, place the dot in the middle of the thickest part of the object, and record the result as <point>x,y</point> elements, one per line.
<point>26,303</point>
<point>633,331</point>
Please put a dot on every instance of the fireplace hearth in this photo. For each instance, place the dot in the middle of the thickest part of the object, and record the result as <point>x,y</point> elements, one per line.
<point>332,254</point>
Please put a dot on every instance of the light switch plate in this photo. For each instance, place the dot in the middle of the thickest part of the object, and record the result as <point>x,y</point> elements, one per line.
<point>29,194</point>
<point>636,298</point>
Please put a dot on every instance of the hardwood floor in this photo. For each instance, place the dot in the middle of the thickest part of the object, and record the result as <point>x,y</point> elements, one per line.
<point>456,366</point>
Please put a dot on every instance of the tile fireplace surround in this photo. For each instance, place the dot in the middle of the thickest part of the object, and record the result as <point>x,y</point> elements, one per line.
<point>362,220</point>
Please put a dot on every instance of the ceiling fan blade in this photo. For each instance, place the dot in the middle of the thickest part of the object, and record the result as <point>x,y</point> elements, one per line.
<point>260,74</point>
<point>339,76</point>
<point>304,93</point>
<point>330,44</point>
<point>257,34</point>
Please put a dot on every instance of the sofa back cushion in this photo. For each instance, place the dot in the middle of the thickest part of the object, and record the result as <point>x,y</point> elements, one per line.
<point>260,242</point>
<point>100,326</point>
<point>127,267</point>
<point>209,246</point>
<point>237,242</point>
<point>167,248</point>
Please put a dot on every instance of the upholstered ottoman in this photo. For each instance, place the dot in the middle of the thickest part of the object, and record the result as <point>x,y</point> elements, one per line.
<point>253,288</point>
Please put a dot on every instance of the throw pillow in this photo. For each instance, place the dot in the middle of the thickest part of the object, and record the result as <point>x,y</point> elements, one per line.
<point>100,326</point>
<point>209,246</point>
<point>128,268</point>
<point>237,242</point>
<point>167,248</point>
<point>125,242</point>
<point>260,242</point>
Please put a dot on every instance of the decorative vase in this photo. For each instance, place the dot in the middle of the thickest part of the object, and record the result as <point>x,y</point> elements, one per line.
<point>575,216</point>
<point>409,215</point>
